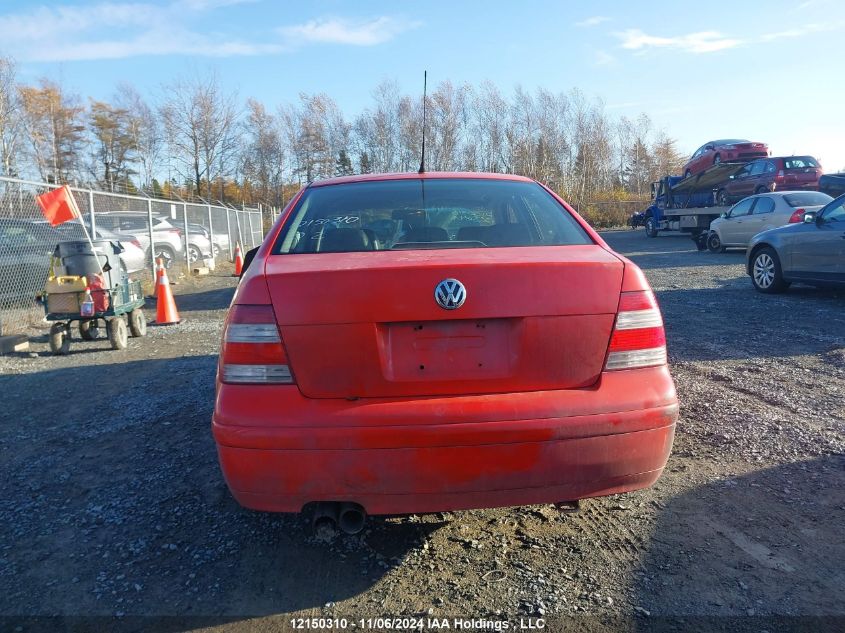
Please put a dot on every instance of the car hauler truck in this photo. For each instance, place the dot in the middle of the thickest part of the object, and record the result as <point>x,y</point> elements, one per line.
<point>688,204</point>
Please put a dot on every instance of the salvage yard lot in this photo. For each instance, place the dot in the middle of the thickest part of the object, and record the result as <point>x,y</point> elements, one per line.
<point>113,504</point>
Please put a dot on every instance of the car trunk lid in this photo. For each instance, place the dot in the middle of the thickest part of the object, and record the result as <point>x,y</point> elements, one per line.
<point>367,324</point>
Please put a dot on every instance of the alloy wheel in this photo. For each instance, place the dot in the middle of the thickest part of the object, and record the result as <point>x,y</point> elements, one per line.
<point>764,270</point>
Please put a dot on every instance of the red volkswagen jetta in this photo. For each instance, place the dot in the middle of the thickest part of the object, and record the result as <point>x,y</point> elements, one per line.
<point>414,343</point>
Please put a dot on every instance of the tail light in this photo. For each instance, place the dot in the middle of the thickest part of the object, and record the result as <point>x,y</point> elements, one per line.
<point>780,176</point>
<point>135,243</point>
<point>797,217</point>
<point>176,232</point>
<point>252,348</point>
<point>638,338</point>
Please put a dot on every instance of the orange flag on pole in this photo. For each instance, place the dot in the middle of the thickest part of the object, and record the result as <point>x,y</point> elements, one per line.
<point>58,205</point>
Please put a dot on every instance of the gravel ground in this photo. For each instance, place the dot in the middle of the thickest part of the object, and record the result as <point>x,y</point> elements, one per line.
<point>113,506</point>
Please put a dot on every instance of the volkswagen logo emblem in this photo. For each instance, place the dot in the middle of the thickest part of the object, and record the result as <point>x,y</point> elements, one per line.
<point>450,294</point>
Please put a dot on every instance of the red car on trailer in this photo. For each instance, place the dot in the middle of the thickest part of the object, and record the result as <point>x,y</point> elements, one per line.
<point>413,343</point>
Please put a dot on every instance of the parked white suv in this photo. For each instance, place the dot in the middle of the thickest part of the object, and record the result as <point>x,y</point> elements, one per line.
<point>169,241</point>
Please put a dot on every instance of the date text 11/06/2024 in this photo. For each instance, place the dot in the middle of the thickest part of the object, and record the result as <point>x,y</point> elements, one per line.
<point>417,624</point>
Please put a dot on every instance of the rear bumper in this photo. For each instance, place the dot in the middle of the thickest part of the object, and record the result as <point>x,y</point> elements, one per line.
<point>279,451</point>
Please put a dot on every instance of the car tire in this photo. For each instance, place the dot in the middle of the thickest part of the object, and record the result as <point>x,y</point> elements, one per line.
<point>166,254</point>
<point>717,159</point>
<point>766,274</point>
<point>651,226</point>
<point>761,189</point>
<point>89,330</point>
<point>59,339</point>
<point>118,333</point>
<point>722,198</point>
<point>194,254</point>
<point>714,243</point>
<point>137,323</point>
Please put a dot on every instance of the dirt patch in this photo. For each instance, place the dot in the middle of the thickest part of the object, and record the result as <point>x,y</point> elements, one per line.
<point>113,504</point>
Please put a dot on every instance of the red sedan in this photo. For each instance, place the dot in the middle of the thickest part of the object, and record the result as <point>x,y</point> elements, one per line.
<point>724,151</point>
<point>416,343</point>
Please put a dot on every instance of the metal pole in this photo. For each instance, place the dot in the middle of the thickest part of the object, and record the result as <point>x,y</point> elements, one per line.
<point>251,231</point>
<point>152,239</point>
<point>240,227</point>
<point>185,218</point>
<point>211,232</point>
<point>229,233</point>
<point>91,212</point>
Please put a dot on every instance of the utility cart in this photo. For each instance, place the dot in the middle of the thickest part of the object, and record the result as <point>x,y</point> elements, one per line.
<point>93,290</point>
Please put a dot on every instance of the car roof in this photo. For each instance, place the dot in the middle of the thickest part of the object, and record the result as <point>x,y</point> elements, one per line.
<point>429,175</point>
<point>730,140</point>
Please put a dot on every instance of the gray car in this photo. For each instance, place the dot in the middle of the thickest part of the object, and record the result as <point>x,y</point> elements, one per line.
<point>759,213</point>
<point>812,252</point>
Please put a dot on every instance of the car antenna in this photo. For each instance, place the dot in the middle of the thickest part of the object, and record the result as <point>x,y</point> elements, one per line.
<point>422,154</point>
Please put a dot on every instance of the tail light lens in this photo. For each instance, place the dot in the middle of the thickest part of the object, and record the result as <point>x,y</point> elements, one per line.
<point>797,217</point>
<point>252,348</point>
<point>638,338</point>
<point>780,176</point>
<point>136,243</point>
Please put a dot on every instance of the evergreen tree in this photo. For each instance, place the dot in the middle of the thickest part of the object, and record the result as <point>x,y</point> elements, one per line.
<point>343,164</point>
<point>366,168</point>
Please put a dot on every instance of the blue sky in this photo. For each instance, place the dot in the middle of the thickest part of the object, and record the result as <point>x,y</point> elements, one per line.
<point>767,71</point>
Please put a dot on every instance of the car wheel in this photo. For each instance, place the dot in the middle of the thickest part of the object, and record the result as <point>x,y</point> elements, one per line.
<point>714,243</point>
<point>722,198</point>
<point>166,255</point>
<point>717,159</point>
<point>59,339</point>
<point>194,254</point>
<point>118,333</point>
<point>88,330</point>
<point>766,274</point>
<point>137,322</point>
<point>651,226</point>
<point>761,189</point>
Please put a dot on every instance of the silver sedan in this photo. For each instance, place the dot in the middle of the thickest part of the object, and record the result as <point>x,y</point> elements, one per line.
<point>755,214</point>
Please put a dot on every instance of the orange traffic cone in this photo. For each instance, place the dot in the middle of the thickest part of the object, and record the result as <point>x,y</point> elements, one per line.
<point>239,261</point>
<point>166,313</point>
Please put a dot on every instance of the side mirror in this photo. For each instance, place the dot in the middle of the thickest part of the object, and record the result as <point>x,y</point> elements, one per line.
<point>250,255</point>
<point>809,218</point>
<point>723,214</point>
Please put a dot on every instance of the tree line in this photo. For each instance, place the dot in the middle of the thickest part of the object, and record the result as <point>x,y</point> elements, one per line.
<point>197,139</point>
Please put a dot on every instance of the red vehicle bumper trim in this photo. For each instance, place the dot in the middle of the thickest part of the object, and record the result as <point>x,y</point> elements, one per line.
<point>455,458</point>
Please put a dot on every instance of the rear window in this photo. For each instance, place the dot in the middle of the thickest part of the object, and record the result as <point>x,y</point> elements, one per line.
<point>806,199</point>
<point>427,214</point>
<point>799,162</point>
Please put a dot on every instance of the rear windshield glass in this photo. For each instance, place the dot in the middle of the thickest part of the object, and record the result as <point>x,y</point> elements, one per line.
<point>799,162</point>
<point>806,199</point>
<point>427,214</point>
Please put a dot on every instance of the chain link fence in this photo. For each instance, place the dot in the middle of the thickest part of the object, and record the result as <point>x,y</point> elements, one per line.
<point>182,233</point>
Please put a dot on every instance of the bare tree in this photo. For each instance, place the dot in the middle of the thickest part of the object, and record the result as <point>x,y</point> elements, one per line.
<point>10,118</point>
<point>114,142</point>
<point>145,130</point>
<point>263,156</point>
<point>200,120</point>
<point>53,123</point>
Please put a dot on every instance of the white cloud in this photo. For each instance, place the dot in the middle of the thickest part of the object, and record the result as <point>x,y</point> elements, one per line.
<point>593,21</point>
<point>159,41</point>
<point>701,42</point>
<point>112,30</point>
<point>344,31</point>
<point>801,31</point>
